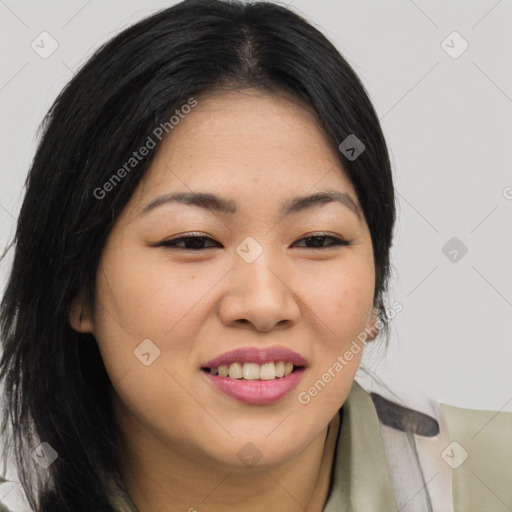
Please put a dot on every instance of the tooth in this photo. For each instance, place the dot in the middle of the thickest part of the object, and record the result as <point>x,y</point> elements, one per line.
<point>267,371</point>
<point>254,371</point>
<point>235,371</point>
<point>251,371</point>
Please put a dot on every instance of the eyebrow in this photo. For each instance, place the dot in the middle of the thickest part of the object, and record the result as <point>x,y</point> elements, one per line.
<point>217,204</point>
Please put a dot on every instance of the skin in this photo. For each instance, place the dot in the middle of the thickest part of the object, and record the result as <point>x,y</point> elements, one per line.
<point>182,436</point>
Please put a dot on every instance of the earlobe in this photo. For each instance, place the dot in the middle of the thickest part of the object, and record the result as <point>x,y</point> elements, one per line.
<point>78,317</point>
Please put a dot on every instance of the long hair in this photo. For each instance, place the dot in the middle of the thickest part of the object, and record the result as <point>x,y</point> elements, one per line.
<point>56,388</point>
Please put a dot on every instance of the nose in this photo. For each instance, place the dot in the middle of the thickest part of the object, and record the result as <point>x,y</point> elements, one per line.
<point>259,296</point>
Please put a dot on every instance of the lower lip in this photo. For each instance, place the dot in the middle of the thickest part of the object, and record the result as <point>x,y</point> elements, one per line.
<point>258,392</point>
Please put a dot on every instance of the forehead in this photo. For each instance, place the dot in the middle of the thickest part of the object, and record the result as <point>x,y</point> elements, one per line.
<point>248,142</point>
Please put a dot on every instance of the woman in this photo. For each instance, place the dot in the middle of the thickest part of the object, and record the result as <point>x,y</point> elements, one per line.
<point>201,256</point>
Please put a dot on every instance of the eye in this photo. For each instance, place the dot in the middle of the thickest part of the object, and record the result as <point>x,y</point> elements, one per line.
<point>192,242</point>
<point>197,242</point>
<point>317,241</point>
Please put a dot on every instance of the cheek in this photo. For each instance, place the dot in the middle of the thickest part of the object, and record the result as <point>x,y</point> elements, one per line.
<point>137,302</point>
<point>342,297</point>
<point>140,297</point>
<point>353,300</point>
<point>340,304</point>
<point>147,295</point>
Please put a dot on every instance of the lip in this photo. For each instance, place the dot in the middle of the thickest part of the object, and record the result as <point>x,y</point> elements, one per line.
<point>257,355</point>
<point>257,392</point>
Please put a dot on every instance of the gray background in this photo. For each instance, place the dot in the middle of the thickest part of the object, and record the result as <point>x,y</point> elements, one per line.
<point>448,125</point>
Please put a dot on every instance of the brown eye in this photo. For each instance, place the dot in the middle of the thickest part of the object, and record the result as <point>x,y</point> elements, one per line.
<point>189,243</point>
<point>318,241</point>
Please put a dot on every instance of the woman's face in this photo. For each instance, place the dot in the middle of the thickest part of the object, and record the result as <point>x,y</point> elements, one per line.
<point>267,279</point>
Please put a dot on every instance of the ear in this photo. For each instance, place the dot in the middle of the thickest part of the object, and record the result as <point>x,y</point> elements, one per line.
<point>79,318</point>
<point>372,329</point>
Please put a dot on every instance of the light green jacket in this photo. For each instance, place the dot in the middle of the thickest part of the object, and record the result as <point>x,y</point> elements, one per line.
<point>482,483</point>
<point>476,456</point>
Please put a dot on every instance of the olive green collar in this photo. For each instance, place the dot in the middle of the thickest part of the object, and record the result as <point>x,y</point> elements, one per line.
<point>360,480</point>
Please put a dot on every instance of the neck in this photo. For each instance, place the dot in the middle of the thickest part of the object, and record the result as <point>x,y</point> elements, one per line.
<point>160,479</point>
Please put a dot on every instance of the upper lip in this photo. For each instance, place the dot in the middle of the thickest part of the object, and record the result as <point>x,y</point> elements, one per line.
<point>257,355</point>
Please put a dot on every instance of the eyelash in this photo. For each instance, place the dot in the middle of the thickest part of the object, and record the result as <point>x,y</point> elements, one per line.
<point>171,244</point>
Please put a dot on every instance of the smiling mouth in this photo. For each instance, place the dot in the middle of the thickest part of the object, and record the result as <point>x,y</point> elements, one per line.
<point>253,371</point>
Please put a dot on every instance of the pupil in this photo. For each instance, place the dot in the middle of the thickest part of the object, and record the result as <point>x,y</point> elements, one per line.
<point>196,243</point>
<point>317,240</point>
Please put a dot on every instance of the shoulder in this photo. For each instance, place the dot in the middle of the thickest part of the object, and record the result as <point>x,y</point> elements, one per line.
<point>479,454</point>
<point>3,508</point>
<point>467,450</point>
<point>12,497</point>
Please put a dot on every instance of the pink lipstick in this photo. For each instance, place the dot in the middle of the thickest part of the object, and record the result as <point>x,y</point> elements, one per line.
<point>256,376</point>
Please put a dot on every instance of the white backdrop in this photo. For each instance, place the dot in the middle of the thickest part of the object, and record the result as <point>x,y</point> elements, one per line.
<point>447,119</point>
<point>445,103</point>
<point>439,75</point>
